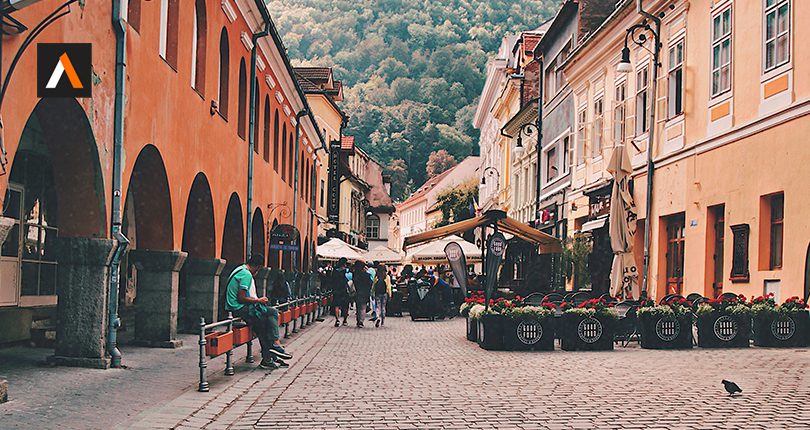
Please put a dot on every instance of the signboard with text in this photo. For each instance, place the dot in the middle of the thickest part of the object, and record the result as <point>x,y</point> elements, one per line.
<point>333,204</point>
<point>285,237</point>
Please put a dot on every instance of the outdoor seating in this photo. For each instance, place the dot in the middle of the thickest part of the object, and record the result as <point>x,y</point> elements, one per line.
<point>694,296</point>
<point>668,298</point>
<point>580,297</point>
<point>553,298</point>
<point>608,298</point>
<point>627,325</point>
<point>728,296</point>
<point>535,299</point>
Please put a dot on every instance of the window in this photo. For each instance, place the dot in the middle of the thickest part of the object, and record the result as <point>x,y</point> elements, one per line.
<point>256,111</point>
<point>323,192</point>
<point>675,249</point>
<point>582,116</point>
<point>777,33</point>
<point>777,230</point>
<point>266,136</point>
<point>721,52</point>
<point>642,100</point>
<point>552,168</point>
<point>554,78</point>
<point>675,95</point>
<point>373,227</point>
<point>241,119</point>
<point>291,152</point>
<point>198,39</point>
<point>619,113</point>
<point>284,153</point>
<point>168,31</point>
<point>224,58</point>
<point>134,14</point>
<point>515,185</point>
<point>598,115</point>
<point>275,141</point>
<point>717,213</point>
<point>566,155</point>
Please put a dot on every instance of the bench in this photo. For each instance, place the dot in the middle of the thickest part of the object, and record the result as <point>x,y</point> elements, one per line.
<point>234,332</point>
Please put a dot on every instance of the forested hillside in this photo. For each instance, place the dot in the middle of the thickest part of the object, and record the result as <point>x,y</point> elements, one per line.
<point>413,71</point>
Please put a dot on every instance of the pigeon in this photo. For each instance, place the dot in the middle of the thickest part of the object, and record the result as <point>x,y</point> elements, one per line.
<point>731,387</point>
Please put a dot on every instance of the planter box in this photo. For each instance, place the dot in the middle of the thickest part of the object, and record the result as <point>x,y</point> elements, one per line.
<point>472,330</point>
<point>296,312</point>
<point>720,330</point>
<point>242,335</point>
<point>667,332</point>
<point>783,331</point>
<point>218,343</point>
<point>586,334</point>
<point>490,332</point>
<point>528,334</point>
<point>285,317</point>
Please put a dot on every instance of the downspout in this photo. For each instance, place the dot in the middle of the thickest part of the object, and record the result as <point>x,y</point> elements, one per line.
<point>254,89</point>
<point>298,117</point>
<point>119,25</point>
<point>539,147</point>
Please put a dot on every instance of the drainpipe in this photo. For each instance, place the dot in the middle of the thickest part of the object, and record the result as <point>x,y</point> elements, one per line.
<point>122,242</point>
<point>254,90</point>
<point>298,117</point>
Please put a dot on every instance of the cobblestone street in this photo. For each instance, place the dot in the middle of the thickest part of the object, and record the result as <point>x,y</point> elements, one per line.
<point>427,375</point>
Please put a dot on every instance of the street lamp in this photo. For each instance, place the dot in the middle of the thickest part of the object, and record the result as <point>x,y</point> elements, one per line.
<point>489,171</point>
<point>529,130</point>
<point>638,34</point>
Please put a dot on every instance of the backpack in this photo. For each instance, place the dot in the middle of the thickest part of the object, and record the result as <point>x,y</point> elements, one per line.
<point>380,288</point>
<point>340,285</point>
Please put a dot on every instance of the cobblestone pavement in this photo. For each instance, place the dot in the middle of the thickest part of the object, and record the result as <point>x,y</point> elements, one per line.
<point>427,375</point>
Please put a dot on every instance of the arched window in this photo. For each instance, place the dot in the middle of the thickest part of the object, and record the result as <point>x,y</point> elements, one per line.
<point>275,141</point>
<point>284,152</point>
<point>257,110</point>
<point>224,60</point>
<point>169,13</point>
<point>267,128</point>
<point>240,121</point>
<point>134,15</point>
<point>200,31</point>
<point>301,175</point>
<point>290,151</point>
<point>307,182</point>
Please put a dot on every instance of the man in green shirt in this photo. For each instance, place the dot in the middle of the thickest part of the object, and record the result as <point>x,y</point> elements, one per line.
<point>242,300</point>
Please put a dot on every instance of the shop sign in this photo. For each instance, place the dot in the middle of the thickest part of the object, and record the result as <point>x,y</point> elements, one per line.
<point>599,203</point>
<point>284,237</point>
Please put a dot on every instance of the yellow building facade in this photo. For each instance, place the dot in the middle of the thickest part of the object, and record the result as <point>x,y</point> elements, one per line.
<point>729,206</point>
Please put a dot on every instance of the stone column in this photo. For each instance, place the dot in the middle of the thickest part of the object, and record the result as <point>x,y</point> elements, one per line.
<point>202,292</point>
<point>262,283</point>
<point>81,311</point>
<point>156,297</point>
<point>223,286</point>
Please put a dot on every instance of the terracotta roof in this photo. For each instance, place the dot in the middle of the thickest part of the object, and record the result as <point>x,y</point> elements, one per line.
<point>377,196</point>
<point>306,84</point>
<point>314,73</point>
<point>347,143</point>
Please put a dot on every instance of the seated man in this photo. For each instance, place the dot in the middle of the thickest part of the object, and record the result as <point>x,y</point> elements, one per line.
<point>241,299</point>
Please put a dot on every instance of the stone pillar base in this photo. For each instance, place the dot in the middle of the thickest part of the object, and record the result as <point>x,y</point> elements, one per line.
<point>92,363</point>
<point>202,292</point>
<point>156,297</point>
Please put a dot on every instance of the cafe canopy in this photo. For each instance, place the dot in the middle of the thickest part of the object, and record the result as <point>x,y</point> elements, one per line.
<point>495,219</point>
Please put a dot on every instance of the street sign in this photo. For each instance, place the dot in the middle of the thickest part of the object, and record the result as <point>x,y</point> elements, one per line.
<point>285,237</point>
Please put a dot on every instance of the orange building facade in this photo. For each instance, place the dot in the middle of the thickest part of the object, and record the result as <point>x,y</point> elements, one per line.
<point>184,196</point>
<point>729,209</point>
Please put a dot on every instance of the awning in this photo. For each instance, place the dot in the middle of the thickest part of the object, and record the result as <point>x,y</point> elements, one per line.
<point>594,224</point>
<point>383,254</point>
<point>548,244</point>
<point>336,248</point>
<point>433,252</point>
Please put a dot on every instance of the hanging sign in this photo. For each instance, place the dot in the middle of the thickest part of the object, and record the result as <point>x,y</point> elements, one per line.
<point>285,237</point>
<point>458,262</point>
<point>495,252</point>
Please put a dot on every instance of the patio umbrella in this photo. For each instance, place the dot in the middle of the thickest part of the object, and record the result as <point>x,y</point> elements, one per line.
<point>433,252</point>
<point>623,274</point>
<point>383,254</point>
<point>336,248</point>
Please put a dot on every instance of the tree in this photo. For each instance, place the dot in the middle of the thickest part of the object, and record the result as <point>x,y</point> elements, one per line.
<point>398,171</point>
<point>457,205</point>
<point>439,162</point>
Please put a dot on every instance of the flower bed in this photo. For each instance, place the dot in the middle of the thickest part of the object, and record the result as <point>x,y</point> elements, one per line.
<point>529,328</point>
<point>724,323</point>
<point>667,326</point>
<point>786,325</point>
<point>588,327</point>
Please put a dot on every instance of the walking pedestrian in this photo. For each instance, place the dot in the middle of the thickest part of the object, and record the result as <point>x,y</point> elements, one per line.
<point>339,282</point>
<point>362,285</point>
<point>241,299</point>
<point>382,292</point>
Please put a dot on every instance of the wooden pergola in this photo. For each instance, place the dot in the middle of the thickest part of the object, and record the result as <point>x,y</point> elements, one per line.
<point>497,220</point>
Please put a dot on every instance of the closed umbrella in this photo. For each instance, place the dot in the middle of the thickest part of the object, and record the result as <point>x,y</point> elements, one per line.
<point>623,274</point>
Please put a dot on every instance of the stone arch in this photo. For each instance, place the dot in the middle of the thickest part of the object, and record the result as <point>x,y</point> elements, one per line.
<point>305,253</point>
<point>224,72</point>
<point>198,228</point>
<point>273,258</point>
<point>148,203</point>
<point>257,245</point>
<point>241,120</point>
<point>233,233</point>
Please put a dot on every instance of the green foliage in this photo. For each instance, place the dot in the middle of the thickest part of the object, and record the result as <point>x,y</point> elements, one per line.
<point>412,69</point>
<point>455,202</point>
<point>529,312</point>
<point>575,259</point>
<point>655,312</point>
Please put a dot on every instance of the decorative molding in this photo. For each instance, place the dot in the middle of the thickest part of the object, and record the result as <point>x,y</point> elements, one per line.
<point>287,110</point>
<point>260,63</point>
<point>246,40</point>
<point>270,82</point>
<point>230,12</point>
<point>279,97</point>
<point>293,121</point>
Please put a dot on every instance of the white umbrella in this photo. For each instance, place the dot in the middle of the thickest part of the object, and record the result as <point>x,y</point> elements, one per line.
<point>433,252</point>
<point>383,254</point>
<point>336,248</point>
<point>623,274</point>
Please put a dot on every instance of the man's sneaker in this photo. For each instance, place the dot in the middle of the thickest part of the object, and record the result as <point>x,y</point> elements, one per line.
<point>337,323</point>
<point>268,364</point>
<point>279,352</point>
<point>282,363</point>
<point>378,323</point>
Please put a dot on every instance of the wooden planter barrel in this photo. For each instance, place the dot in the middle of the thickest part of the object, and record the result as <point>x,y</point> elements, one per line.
<point>666,332</point>
<point>578,333</point>
<point>723,330</point>
<point>783,330</point>
<point>528,334</point>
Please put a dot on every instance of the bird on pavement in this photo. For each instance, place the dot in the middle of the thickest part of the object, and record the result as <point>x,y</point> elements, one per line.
<point>731,387</point>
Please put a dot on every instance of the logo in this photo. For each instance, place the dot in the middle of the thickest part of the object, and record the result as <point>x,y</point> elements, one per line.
<point>783,328</point>
<point>497,245</point>
<point>725,328</point>
<point>64,70</point>
<point>667,329</point>
<point>589,330</point>
<point>529,332</point>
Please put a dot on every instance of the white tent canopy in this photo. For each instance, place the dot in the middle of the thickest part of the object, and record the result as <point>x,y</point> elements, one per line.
<point>383,254</point>
<point>336,248</point>
<point>433,252</point>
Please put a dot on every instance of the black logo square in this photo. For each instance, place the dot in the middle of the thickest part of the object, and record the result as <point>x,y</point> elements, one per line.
<point>64,70</point>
